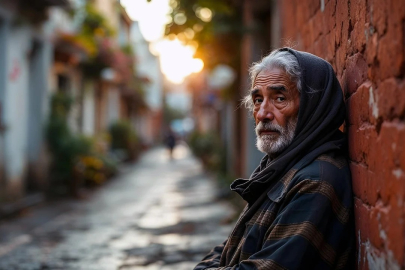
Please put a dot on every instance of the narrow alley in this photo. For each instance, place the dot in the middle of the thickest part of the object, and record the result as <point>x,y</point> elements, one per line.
<point>158,214</point>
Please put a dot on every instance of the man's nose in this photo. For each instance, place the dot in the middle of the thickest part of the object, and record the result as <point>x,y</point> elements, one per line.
<point>266,112</point>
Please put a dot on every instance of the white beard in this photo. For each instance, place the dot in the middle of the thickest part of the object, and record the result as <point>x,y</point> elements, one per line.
<point>274,144</point>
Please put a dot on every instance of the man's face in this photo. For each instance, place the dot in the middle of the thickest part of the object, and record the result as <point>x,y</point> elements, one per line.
<point>276,102</point>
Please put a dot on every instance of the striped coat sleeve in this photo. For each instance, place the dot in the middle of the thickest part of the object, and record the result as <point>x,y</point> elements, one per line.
<point>211,260</point>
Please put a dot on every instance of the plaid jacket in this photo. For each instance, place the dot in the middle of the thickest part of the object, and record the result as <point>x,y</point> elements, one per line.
<point>304,222</point>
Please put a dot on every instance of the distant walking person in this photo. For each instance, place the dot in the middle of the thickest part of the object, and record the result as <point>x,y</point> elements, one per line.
<point>170,141</point>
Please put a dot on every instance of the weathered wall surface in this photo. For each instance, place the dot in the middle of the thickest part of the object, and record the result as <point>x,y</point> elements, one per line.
<point>364,40</point>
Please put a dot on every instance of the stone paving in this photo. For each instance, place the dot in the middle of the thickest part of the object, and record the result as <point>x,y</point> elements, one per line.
<point>158,214</point>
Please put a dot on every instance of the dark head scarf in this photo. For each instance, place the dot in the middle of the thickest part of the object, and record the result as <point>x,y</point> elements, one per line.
<point>321,113</point>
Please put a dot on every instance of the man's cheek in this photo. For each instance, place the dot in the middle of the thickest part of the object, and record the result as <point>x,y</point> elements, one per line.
<point>256,122</point>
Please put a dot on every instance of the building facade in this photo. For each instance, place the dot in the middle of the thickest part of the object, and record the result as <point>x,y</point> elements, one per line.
<point>42,53</point>
<point>27,52</point>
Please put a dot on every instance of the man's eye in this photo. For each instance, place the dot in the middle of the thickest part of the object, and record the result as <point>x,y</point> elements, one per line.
<point>257,100</point>
<point>280,99</point>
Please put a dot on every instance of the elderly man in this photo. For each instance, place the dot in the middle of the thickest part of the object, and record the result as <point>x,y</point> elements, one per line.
<point>299,199</point>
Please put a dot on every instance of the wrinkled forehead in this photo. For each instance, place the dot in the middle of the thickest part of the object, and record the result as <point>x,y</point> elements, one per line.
<point>273,76</point>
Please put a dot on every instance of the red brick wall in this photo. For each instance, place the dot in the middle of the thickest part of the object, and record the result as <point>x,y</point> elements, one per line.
<point>364,40</point>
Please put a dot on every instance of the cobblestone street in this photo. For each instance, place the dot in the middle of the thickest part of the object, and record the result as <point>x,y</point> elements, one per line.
<point>157,214</point>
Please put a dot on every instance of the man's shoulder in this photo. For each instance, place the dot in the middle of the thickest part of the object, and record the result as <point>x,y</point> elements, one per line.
<point>329,170</point>
<point>325,167</point>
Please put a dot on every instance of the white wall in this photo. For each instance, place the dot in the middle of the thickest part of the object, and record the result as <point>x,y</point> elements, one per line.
<point>143,125</point>
<point>3,35</point>
<point>38,98</point>
<point>16,101</point>
<point>123,32</point>
<point>147,65</point>
<point>24,90</point>
<point>60,20</point>
<point>25,80</point>
<point>89,109</point>
<point>113,106</point>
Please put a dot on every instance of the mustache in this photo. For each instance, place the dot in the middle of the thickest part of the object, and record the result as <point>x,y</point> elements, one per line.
<point>268,126</point>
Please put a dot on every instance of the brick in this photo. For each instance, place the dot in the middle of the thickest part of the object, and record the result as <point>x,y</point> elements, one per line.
<point>288,19</point>
<point>371,55</point>
<point>376,237</point>
<point>301,13</point>
<point>320,47</point>
<point>398,145</point>
<point>306,33</point>
<point>401,154</point>
<point>386,227</point>
<point>378,15</point>
<point>391,99</point>
<point>329,51</point>
<point>340,59</point>
<point>358,17</point>
<point>373,187</point>
<point>391,143</point>
<point>314,7</point>
<point>317,25</point>
<point>372,105</point>
<point>363,184</point>
<point>393,226</point>
<point>311,34</point>
<point>359,141</point>
<point>342,80</point>
<point>391,53</point>
<point>342,22</point>
<point>357,9</point>
<point>396,13</point>
<point>384,159</point>
<point>356,67</point>
<point>362,217</point>
<point>361,263</point>
<point>329,17</point>
<point>356,111</point>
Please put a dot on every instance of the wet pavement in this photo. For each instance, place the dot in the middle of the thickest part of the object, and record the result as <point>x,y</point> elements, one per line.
<point>157,214</point>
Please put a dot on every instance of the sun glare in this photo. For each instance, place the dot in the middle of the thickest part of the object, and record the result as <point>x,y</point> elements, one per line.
<point>176,59</point>
<point>205,14</point>
<point>152,16</point>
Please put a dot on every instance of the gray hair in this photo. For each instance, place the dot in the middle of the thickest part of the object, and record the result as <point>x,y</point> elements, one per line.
<point>276,59</point>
